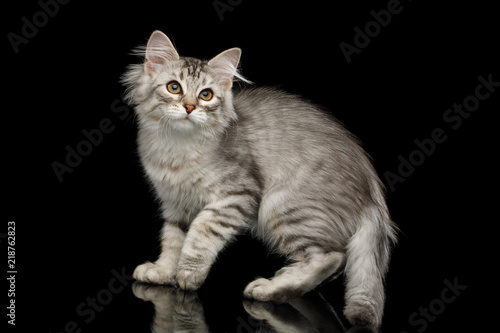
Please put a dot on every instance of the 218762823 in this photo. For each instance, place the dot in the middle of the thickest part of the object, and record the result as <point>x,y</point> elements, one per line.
<point>11,272</point>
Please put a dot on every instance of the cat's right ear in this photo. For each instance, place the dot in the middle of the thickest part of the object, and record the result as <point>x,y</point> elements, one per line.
<point>159,52</point>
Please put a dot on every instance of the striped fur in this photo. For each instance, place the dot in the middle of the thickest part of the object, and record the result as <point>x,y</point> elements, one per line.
<point>262,160</point>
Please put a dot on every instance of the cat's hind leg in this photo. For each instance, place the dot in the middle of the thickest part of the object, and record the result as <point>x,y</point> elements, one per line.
<point>308,269</point>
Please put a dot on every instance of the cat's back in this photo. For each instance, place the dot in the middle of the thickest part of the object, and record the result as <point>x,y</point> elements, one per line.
<point>280,122</point>
<point>291,137</point>
<point>278,111</point>
<point>260,104</point>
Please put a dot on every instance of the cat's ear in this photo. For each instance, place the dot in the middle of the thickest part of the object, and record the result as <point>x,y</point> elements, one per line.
<point>224,66</point>
<point>159,52</point>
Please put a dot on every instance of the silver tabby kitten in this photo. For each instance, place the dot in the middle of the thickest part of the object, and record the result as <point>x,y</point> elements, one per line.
<point>261,160</point>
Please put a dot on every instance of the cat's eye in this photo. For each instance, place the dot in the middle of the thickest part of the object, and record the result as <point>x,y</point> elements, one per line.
<point>206,94</point>
<point>174,87</point>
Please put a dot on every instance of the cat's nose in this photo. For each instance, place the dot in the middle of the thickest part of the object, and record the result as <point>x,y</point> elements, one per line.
<point>189,108</point>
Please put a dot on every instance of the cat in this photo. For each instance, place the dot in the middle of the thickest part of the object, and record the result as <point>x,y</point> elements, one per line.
<point>224,162</point>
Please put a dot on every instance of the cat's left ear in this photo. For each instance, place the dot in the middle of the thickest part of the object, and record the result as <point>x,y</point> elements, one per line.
<point>224,66</point>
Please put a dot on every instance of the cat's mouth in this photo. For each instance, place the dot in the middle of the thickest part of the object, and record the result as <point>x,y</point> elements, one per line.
<point>182,120</point>
<point>185,118</point>
<point>185,123</point>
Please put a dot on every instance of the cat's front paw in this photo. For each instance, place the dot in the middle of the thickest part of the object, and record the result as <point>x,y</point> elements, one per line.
<point>154,273</point>
<point>266,290</point>
<point>190,279</point>
<point>260,290</point>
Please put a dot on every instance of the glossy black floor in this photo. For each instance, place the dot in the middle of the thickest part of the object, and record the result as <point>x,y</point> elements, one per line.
<point>420,89</point>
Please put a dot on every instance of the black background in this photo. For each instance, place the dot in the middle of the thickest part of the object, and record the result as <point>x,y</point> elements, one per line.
<point>70,235</point>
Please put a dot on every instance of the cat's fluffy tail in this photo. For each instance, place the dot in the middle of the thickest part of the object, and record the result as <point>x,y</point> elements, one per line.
<point>368,254</point>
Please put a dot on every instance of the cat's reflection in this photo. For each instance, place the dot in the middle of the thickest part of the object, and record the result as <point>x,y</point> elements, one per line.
<point>309,313</point>
<point>175,310</point>
<point>179,311</point>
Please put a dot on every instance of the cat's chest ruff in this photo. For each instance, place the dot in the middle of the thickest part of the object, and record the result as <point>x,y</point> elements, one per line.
<point>180,172</point>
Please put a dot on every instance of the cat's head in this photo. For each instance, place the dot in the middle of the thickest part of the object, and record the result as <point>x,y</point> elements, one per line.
<point>183,94</point>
